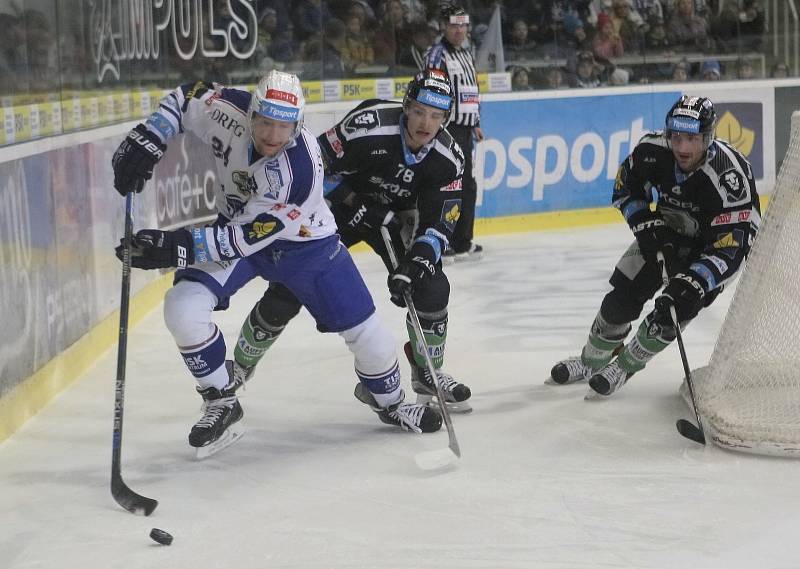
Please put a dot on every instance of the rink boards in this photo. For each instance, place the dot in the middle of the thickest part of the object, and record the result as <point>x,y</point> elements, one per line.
<point>549,161</point>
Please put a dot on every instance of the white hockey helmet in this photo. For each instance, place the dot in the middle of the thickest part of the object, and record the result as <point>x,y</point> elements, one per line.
<point>279,96</point>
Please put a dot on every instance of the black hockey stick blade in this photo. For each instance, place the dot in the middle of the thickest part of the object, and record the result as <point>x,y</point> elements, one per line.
<point>130,500</point>
<point>690,431</point>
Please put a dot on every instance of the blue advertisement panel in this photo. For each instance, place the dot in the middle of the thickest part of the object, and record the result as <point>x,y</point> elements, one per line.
<point>60,219</point>
<point>547,155</point>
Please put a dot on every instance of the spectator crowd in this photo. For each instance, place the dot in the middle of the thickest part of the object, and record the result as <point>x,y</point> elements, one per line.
<point>547,44</point>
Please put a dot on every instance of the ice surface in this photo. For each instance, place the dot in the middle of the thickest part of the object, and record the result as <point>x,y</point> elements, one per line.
<point>547,480</point>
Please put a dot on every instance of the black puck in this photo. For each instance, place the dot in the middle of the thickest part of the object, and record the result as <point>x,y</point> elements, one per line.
<point>160,536</point>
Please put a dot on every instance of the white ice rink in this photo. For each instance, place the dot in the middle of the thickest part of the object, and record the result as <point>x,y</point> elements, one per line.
<point>547,480</point>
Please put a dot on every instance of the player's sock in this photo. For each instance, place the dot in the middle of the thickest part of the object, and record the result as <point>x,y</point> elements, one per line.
<point>206,361</point>
<point>255,338</point>
<point>651,338</point>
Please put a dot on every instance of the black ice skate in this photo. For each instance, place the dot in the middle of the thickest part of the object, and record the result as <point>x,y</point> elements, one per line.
<point>407,416</point>
<point>220,425</point>
<point>473,253</point>
<point>608,380</point>
<point>456,394</point>
<point>570,370</point>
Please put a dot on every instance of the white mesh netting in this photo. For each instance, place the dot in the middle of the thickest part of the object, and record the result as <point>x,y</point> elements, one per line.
<point>749,395</point>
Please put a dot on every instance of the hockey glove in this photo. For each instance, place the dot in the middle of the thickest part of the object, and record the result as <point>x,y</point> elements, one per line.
<point>366,217</point>
<point>653,235</point>
<point>685,292</point>
<point>135,158</point>
<point>418,265</point>
<point>155,249</point>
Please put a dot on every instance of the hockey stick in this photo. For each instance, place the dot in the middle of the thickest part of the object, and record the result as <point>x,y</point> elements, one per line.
<point>685,428</point>
<point>124,496</point>
<point>439,458</point>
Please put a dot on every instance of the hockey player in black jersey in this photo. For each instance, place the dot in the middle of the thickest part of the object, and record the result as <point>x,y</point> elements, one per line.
<point>706,213</point>
<point>392,161</point>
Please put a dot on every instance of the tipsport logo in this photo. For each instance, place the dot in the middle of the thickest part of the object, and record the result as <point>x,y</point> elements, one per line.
<point>279,112</point>
<point>684,125</point>
<point>433,99</point>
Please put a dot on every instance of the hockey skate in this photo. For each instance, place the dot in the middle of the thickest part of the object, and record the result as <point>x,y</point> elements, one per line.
<point>407,416</point>
<point>456,394</point>
<point>607,381</point>
<point>569,370</point>
<point>220,425</point>
<point>474,253</point>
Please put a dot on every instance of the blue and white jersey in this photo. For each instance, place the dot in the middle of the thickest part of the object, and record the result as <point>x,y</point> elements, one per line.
<point>264,199</point>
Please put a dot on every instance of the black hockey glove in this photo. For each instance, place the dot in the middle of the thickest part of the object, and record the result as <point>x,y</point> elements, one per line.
<point>685,292</point>
<point>155,249</point>
<point>653,235</point>
<point>418,265</point>
<point>366,217</point>
<point>135,158</point>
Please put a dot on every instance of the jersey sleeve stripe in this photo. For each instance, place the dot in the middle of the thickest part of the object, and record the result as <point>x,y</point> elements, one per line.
<point>175,115</point>
<point>702,270</point>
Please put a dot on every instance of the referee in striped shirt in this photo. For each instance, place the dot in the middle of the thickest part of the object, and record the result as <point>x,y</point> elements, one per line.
<point>450,56</point>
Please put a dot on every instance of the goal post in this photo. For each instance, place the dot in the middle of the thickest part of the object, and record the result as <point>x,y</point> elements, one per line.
<point>749,394</point>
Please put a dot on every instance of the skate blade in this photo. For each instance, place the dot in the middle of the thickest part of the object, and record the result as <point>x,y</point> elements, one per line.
<point>459,407</point>
<point>435,459</point>
<point>231,435</point>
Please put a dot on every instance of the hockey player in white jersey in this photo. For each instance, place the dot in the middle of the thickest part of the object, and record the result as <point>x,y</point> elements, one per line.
<point>273,223</point>
<point>390,162</point>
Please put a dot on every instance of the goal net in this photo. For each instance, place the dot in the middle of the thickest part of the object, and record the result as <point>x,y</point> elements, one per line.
<point>749,394</point>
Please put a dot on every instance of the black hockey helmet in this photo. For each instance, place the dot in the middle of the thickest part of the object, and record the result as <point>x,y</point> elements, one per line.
<point>431,87</point>
<point>695,115</point>
<point>453,13</point>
